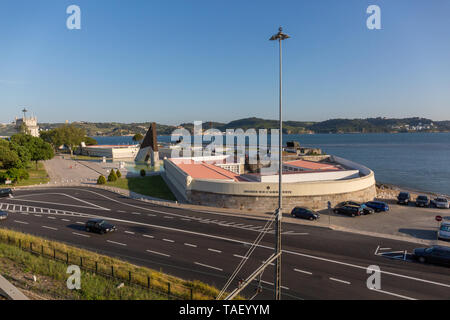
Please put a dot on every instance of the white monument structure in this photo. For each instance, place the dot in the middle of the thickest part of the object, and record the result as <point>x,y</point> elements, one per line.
<point>30,123</point>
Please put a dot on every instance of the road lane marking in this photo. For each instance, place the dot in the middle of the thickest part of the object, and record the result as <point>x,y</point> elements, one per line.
<point>137,213</point>
<point>147,236</point>
<point>240,257</point>
<point>167,217</point>
<point>66,220</point>
<point>190,245</point>
<point>168,240</point>
<point>207,266</point>
<point>393,294</point>
<point>129,232</point>
<point>53,218</point>
<point>214,250</point>
<point>303,271</point>
<point>38,215</point>
<point>339,280</point>
<point>21,222</point>
<point>80,222</point>
<point>159,253</point>
<point>81,235</point>
<point>51,228</point>
<point>114,242</point>
<point>121,211</point>
<point>271,248</point>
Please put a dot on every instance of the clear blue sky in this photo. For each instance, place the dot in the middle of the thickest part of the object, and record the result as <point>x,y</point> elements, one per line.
<point>179,61</point>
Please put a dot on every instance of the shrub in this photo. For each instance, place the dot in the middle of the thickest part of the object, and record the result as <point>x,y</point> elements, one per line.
<point>101,180</point>
<point>16,174</point>
<point>112,176</point>
<point>142,173</point>
<point>119,175</point>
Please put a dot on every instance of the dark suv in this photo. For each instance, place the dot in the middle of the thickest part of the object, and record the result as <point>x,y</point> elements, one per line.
<point>434,254</point>
<point>6,193</point>
<point>304,213</point>
<point>349,210</point>
<point>422,201</point>
<point>364,208</point>
<point>403,198</point>
<point>99,226</point>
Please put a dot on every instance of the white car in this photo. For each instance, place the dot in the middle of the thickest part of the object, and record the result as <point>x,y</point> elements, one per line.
<point>444,231</point>
<point>441,203</point>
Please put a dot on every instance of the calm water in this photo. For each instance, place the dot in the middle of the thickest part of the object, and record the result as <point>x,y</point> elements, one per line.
<point>414,160</point>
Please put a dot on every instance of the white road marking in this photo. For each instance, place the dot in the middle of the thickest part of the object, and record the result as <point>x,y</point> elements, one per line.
<point>214,250</point>
<point>168,240</point>
<point>207,266</point>
<point>66,220</point>
<point>159,253</point>
<point>148,214</point>
<point>51,228</point>
<point>302,271</point>
<point>81,235</point>
<point>78,222</point>
<point>53,218</point>
<point>240,257</point>
<point>138,213</point>
<point>190,245</point>
<point>147,236</point>
<point>64,204</point>
<point>121,211</point>
<point>114,242</point>
<point>261,246</point>
<point>129,232</point>
<point>38,215</point>
<point>167,217</point>
<point>22,222</point>
<point>338,280</point>
<point>24,213</point>
<point>392,294</point>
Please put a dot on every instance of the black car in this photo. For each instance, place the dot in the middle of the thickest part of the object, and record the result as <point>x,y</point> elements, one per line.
<point>434,254</point>
<point>422,201</point>
<point>350,210</point>
<point>403,198</point>
<point>6,193</point>
<point>3,215</point>
<point>365,209</point>
<point>99,226</point>
<point>304,213</point>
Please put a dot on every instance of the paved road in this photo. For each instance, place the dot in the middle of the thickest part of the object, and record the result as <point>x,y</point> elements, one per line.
<point>318,263</point>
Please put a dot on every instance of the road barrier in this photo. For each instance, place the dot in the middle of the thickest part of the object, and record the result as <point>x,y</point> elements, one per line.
<point>172,290</point>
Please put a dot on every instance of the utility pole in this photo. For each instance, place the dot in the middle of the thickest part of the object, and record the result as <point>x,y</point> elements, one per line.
<point>280,36</point>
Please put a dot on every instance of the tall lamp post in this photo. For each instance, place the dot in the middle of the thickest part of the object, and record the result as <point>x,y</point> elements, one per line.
<point>279,36</point>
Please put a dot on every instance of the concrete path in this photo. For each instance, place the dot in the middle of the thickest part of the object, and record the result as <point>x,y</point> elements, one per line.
<point>9,291</point>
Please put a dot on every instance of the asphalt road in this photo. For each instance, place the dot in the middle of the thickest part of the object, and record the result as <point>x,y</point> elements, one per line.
<point>318,263</point>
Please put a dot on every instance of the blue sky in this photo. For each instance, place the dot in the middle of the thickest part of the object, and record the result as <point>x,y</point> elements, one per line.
<point>179,61</point>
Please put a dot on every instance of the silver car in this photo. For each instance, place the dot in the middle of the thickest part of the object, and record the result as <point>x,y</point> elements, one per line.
<point>444,231</point>
<point>441,203</point>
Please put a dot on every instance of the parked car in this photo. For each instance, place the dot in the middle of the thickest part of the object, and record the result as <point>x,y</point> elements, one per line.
<point>6,193</point>
<point>378,206</point>
<point>434,254</point>
<point>444,231</point>
<point>304,213</point>
<point>3,215</point>
<point>422,201</point>
<point>403,198</point>
<point>99,226</point>
<point>365,209</point>
<point>350,210</point>
<point>440,203</point>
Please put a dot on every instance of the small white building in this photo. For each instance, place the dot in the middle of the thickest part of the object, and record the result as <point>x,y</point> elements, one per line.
<point>111,151</point>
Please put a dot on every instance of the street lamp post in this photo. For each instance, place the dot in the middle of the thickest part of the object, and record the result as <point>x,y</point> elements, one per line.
<point>277,291</point>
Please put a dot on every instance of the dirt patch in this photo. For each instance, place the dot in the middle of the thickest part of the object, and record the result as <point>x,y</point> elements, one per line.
<point>44,288</point>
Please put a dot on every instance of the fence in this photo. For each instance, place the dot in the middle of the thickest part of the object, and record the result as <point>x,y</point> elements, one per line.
<point>172,290</point>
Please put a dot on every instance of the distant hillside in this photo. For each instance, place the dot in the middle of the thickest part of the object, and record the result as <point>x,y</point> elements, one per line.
<point>369,125</point>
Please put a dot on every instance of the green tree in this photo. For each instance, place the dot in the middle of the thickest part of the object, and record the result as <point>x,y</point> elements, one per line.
<point>90,141</point>
<point>69,135</point>
<point>101,180</point>
<point>8,158</point>
<point>119,174</point>
<point>37,148</point>
<point>138,137</point>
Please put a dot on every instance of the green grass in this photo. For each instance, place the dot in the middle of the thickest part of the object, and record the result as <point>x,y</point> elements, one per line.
<point>153,186</point>
<point>81,157</point>
<point>93,287</point>
<point>37,176</point>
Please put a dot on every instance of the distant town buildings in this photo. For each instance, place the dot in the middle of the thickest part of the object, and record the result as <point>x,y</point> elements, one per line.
<point>30,124</point>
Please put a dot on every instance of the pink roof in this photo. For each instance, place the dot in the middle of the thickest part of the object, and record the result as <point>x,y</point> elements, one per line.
<point>311,165</point>
<point>202,170</point>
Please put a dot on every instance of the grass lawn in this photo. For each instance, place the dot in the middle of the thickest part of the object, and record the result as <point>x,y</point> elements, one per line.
<point>37,176</point>
<point>153,186</point>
